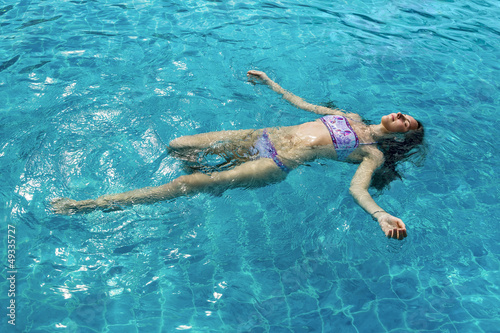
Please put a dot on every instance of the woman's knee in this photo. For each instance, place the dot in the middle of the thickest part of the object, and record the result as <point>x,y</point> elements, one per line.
<point>178,143</point>
<point>196,182</point>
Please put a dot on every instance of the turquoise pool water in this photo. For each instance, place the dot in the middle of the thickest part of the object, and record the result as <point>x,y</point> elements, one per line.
<point>91,91</point>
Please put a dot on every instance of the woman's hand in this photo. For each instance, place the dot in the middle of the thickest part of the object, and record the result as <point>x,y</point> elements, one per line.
<point>392,226</point>
<point>259,76</point>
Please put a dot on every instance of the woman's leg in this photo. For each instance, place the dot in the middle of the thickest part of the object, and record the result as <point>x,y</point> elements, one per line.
<point>232,147</point>
<point>210,139</point>
<point>250,174</point>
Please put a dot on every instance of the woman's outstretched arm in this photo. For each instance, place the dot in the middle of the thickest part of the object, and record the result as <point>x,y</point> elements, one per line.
<point>296,100</point>
<point>392,226</point>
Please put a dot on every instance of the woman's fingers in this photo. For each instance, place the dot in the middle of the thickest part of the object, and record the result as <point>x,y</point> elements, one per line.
<point>252,75</point>
<point>256,74</point>
<point>397,234</point>
<point>397,227</point>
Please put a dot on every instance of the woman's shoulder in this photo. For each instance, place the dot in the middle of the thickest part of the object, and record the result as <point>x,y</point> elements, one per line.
<point>354,116</point>
<point>326,111</point>
<point>367,154</point>
<point>372,152</point>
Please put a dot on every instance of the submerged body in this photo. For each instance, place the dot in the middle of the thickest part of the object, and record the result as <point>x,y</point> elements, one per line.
<point>288,146</point>
<point>260,157</point>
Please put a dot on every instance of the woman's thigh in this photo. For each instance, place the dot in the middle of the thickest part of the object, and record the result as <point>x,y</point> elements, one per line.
<point>227,150</point>
<point>210,139</point>
<point>248,175</point>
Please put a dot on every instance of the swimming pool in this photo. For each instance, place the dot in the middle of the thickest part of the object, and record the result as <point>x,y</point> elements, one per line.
<point>92,90</point>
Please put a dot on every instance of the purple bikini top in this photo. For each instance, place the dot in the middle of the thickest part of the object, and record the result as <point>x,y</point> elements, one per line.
<point>343,136</point>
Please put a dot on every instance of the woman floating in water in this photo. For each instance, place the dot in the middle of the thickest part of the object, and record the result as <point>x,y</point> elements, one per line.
<point>258,157</point>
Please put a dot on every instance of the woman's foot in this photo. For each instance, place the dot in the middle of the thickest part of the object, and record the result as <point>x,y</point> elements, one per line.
<point>66,206</point>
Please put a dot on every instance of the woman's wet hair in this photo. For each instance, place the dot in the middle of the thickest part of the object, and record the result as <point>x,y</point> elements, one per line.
<point>413,149</point>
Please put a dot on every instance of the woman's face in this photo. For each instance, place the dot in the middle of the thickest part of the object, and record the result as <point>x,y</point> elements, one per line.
<point>399,123</point>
